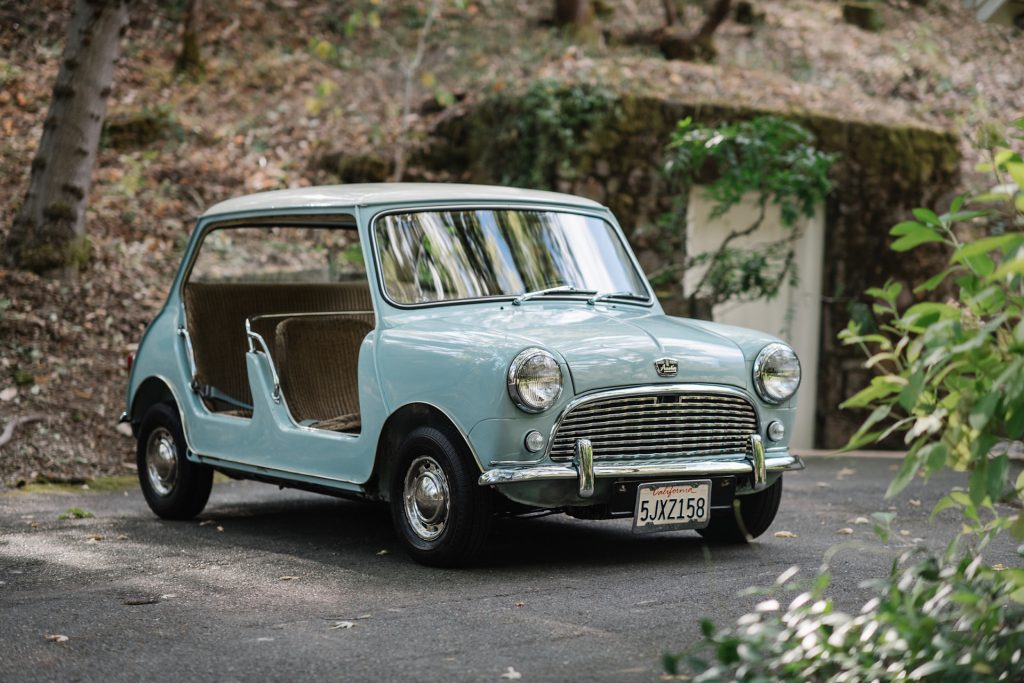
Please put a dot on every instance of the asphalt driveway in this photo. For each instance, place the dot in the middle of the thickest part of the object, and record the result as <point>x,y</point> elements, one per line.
<point>281,585</point>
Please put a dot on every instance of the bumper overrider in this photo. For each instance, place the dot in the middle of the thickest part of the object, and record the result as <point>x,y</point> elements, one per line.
<point>758,465</point>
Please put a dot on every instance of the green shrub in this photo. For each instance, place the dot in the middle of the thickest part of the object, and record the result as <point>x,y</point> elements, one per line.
<point>552,120</point>
<point>953,623</point>
<point>949,372</point>
<point>950,378</point>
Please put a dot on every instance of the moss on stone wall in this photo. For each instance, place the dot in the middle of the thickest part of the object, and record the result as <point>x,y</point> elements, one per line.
<point>883,171</point>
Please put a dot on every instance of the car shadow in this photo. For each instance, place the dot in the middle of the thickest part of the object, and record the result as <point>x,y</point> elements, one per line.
<point>350,533</point>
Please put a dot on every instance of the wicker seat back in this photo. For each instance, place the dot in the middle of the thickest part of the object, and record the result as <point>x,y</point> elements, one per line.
<point>318,358</point>
<point>216,314</point>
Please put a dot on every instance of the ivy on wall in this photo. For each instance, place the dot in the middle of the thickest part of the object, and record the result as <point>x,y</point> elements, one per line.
<point>542,142</point>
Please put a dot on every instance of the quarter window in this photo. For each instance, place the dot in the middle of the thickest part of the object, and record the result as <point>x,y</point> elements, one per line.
<point>279,254</point>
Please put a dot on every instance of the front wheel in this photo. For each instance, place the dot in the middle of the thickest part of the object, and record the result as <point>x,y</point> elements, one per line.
<point>174,487</point>
<point>441,515</point>
<point>750,516</point>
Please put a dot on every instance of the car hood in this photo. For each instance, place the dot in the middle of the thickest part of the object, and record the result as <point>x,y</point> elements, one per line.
<point>608,347</point>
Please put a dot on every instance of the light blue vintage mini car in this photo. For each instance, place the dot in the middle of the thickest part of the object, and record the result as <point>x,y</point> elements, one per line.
<point>458,351</point>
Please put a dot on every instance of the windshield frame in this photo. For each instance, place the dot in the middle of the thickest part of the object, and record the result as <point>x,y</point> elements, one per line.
<point>552,208</point>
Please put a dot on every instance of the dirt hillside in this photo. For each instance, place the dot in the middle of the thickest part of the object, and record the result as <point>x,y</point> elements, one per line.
<point>286,81</point>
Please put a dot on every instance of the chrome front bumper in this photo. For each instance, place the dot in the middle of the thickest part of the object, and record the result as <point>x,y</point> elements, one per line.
<point>585,470</point>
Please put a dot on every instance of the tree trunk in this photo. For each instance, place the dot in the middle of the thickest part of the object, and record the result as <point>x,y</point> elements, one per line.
<point>48,232</point>
<point>575,13</point>
<point>190,61</point>
<point>700,308</point>
<point>669,8</point>
<point>677,44</point>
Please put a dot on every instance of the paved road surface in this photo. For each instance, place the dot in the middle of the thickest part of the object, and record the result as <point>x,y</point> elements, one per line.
<point>557,599</point>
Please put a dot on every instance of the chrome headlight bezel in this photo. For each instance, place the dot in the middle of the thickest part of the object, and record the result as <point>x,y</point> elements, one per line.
<point>763,364</point>
<point>513,378</point>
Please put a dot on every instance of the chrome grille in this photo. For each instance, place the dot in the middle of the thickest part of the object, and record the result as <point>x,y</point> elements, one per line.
<point>658,425</point>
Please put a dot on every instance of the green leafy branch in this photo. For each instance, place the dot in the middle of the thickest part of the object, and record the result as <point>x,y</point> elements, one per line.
<point>950,374</point>
<point>769,158</point>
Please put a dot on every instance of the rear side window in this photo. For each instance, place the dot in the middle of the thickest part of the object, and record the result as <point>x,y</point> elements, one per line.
<point>279,254</point>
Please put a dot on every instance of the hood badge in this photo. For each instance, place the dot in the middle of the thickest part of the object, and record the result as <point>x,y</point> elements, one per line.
<point>667,367</point>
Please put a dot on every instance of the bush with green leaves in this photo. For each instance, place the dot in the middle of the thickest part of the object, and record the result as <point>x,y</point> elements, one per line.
<point>953,623</point>
<point>769,158</point>
<point>950,371</point>
<point>950,378</point>
<point>552,120</point>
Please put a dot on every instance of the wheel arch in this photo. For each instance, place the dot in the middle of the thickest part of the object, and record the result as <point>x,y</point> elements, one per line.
<point>400,423</point>
<point>152,391</point>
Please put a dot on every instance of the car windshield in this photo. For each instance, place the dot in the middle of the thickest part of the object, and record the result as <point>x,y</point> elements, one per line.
<point>431,256</point>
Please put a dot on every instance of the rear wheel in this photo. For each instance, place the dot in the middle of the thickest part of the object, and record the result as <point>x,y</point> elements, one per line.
<point>750,517</point>
<point>441,515</point>
<point>174,487</point>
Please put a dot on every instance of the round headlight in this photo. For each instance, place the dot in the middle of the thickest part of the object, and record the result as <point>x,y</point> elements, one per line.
<point>534,380</point>
<point>776,373</point>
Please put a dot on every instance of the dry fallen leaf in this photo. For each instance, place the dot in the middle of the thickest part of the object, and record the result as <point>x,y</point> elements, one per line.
<point>150,600</point>
<point>511,674</point>
<point>343,624</point>
<point>56,637</point>
<point>785,534</point>
<point>288,578</point>
<point>914,502</point>
<point>845,472</point>
<point>824,485</point>
<point>845,531</point>
<point>862,520</point>
<point>94,538</point>
<point>520,604</point>
<point>904,532</point>
<point>999,566</point>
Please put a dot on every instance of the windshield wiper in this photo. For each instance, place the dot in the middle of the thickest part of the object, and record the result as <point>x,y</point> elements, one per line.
<point>567,289</point>
<point>615,295</point>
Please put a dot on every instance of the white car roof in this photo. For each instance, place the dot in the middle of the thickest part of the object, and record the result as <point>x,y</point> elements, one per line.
<point>367,194</point>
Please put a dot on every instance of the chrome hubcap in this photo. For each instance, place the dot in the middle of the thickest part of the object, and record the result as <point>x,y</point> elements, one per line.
<point>161,461</point>
<point>426,498</point>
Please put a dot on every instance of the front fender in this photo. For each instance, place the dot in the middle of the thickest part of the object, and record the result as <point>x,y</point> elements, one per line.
<point>464,375</point>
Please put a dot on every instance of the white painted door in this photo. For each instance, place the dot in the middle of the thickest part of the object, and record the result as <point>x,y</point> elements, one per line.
<point>795,314</point>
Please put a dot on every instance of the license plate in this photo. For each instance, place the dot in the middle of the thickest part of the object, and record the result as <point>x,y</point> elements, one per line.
<point>672,505</point>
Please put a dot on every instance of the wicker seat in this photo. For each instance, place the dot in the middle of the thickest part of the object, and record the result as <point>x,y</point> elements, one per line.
<point>317,359</point>
<point>216,314</point>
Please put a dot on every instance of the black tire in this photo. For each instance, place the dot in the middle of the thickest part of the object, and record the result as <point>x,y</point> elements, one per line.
<point>174,490</point>
<point>432,533</point>
<point>750,517</point>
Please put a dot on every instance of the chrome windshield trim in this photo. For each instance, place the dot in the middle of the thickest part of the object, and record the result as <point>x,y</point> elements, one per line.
<point>739,465</point>
<point>644,390</point>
